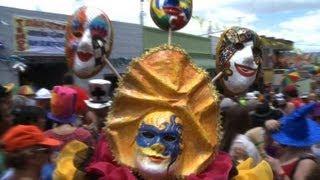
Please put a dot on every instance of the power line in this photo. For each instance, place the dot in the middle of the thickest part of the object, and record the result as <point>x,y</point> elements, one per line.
<point>307,44</point>
<point>211,33</point>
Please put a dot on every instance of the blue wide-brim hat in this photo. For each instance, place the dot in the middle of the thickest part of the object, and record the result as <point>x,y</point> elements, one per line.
<point>298,131</point>
<point>64,120</point>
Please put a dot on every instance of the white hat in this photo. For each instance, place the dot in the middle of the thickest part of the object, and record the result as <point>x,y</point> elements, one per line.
<point>304,95</point>
<point>279,95</point>
<point>99,90</point>
<point>43,93</point>
<point>257,93</point>
<point>280,98</point>
<point>242,141</point>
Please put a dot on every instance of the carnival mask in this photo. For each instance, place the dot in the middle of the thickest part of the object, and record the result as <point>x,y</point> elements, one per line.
<point>158,143</point>
<point>239,58</point>
<point>88,40</point>
<point>164,120</point>
<point>171,14</point>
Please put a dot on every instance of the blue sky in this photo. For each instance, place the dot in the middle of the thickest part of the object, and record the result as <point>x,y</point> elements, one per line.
<point>269,20</point>
<point>296,20</point>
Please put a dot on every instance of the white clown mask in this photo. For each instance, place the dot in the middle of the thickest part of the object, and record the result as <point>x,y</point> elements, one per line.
<point>239,58</point>
<point>89,38</point>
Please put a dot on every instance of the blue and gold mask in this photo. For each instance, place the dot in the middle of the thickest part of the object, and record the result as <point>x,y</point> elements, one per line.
<point>169,137</point>
<point>158,143</point>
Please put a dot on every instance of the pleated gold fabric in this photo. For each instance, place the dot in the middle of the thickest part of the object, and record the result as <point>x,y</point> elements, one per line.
<point>164,79</point>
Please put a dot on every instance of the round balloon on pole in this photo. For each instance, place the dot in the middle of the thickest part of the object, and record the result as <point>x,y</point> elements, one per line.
<point>171,14</point>
<point>89,37</point>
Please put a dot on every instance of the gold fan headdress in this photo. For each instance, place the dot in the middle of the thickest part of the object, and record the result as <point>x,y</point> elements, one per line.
<point>165,79</point>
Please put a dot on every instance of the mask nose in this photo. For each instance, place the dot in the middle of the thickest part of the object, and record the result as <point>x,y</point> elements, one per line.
<point>247,55</point>
<point>85,43</point>
<point>248,60</point>
<point>159,148</point>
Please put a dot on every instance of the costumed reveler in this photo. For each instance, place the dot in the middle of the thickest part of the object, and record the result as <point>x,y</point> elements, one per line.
<point>164,122</point>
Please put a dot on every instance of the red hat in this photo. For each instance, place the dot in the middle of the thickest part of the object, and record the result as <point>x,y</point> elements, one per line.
<point>63,104</point>
<point>82,95</point>
<point>24,136</point>
<point>291,91</point>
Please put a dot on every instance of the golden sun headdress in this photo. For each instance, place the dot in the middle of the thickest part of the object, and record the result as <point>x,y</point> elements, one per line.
<point>165,79</point>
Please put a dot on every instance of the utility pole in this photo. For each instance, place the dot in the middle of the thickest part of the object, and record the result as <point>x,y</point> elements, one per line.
<point>210,29</point>
<point>142,13</point>
<point>199,19</point>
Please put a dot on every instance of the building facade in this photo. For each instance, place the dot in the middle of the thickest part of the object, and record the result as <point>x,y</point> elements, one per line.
<point>46,66</point>
<point>199,48</point>
<point>42,49</point>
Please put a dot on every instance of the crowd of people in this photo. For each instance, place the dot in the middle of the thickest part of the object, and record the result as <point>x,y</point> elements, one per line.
<point>282,128</point>
<point>38,126</point>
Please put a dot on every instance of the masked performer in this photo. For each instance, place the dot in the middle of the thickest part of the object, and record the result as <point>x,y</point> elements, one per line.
<point>164,123</point>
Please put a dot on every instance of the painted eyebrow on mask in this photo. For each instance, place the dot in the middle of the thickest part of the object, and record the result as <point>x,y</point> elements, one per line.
<point>99,27</point>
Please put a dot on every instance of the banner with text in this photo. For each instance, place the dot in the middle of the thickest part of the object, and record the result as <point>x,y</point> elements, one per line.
<point>39,36</point>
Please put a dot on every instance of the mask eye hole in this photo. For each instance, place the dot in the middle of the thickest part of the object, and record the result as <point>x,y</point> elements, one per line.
<point>256,51</point>
<point>169,138</point>
<point>77,34</point>
<point>239,46</point>
<point>148,135</point>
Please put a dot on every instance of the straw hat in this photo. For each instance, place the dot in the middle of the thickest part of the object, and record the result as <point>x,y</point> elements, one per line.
<point>26,90</point>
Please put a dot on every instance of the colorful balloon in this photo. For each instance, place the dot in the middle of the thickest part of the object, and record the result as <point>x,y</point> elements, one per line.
<point>238,58</point>
<point>171,14</point>
<point>89,37</point>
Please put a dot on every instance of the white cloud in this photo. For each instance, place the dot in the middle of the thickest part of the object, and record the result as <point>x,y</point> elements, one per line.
<point>128,11</point>
<point>303,30</point>
<point>215,12</point>
<point>57,6</point>
<point>118,10</point>
<point>308,22</point>
<point>274,6</point>
<point>222,14</point>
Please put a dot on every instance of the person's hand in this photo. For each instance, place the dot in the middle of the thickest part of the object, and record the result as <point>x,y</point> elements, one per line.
<point>239,153</point>
<point>272,125</point>
<point>274,163</point>
<point>276,167</point>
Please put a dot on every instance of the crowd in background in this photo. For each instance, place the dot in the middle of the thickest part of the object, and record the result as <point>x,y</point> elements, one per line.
<point>280,127</point>
<point>36,125</point>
